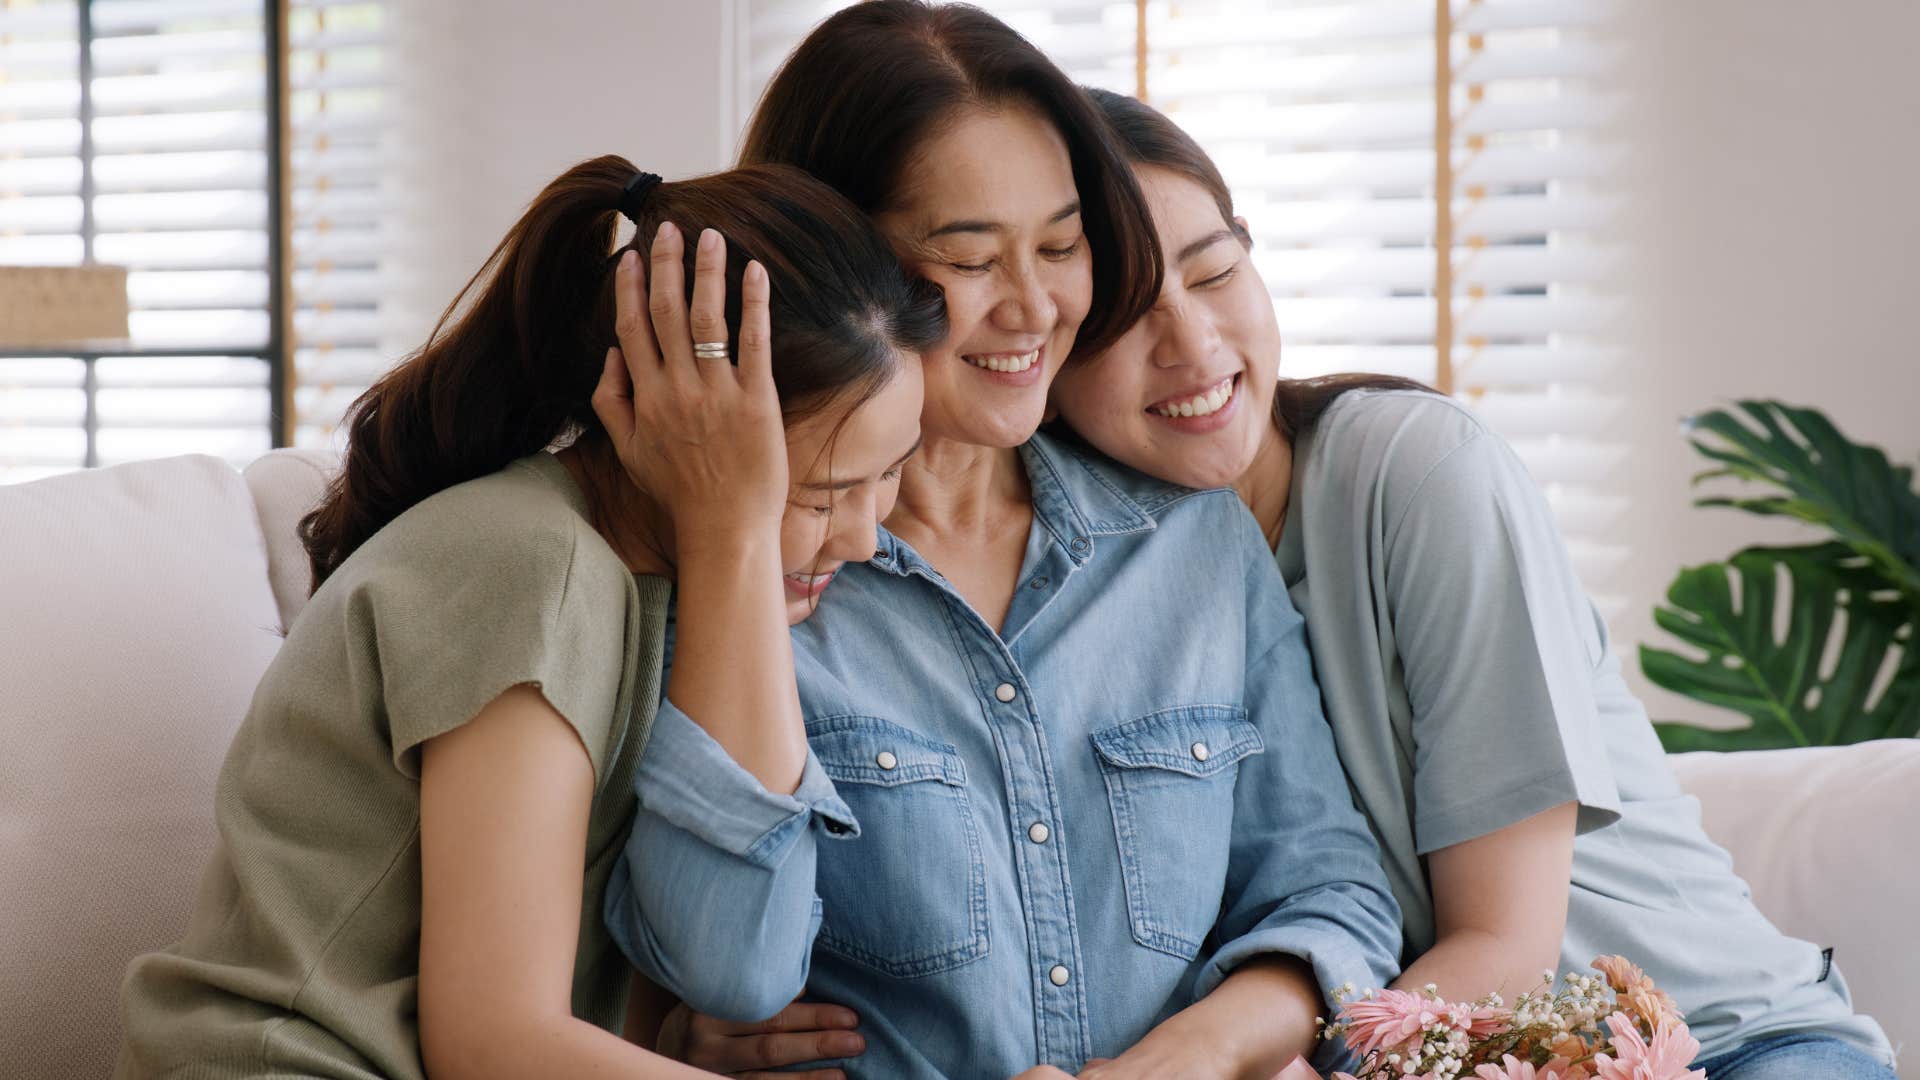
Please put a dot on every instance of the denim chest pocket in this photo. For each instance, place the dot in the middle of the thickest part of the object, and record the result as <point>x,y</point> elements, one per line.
<point>908,896</point>
<point>1170,778</point>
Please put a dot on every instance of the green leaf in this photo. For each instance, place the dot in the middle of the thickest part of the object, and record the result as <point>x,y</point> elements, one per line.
<point>1820,477</point>
<point>1834,595</point>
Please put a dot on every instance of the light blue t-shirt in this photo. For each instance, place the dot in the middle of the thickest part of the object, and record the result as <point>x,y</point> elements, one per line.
<point>1470,685</point>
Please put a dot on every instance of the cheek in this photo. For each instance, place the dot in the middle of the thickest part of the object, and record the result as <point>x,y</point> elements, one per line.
<point>1097,398</point>
<point>802,534</point>
<point>1073,287</point>
<point>967,306</point>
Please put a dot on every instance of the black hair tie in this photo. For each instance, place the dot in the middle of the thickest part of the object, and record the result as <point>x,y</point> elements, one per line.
<point>634,195</point>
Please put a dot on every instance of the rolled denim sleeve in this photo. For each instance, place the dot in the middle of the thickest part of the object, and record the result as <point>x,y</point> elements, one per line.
<point>713,897</point>
<point>1303,876</point>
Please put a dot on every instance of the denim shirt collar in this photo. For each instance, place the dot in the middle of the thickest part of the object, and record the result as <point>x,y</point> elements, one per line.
<point>1074,499</point>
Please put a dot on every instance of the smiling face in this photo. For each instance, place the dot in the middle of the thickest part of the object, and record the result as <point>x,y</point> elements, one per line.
<point>1187,394</point>
<point>990,214</point>
<point>845,470</point>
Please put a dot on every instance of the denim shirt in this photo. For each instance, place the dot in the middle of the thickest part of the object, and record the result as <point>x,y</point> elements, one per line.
<point>1026,846</point>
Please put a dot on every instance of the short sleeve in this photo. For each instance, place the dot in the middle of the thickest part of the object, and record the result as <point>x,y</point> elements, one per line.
<point>459,620</point>
<point>1499,645</point>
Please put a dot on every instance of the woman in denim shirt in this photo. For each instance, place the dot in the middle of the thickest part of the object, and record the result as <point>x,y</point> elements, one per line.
<point>1070,796</point>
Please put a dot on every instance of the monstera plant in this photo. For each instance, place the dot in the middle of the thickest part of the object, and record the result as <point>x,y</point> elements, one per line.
<point>1847,667</point>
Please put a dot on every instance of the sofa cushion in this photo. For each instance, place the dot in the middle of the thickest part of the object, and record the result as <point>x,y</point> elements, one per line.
<point>285,485</point>
<point>1824,836</point>
<point>138,619</point>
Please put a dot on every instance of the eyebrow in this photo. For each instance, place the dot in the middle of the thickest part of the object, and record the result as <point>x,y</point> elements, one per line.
<point>975,226</point>
<point>842,485</point>
<point>1203,244</point>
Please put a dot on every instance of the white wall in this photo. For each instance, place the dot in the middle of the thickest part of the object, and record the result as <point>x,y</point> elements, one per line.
<point>504,95</point>
<point>1777,238</point>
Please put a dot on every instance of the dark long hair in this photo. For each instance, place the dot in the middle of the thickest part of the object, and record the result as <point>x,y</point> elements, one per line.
<point>870,85</point>
<point>1149,138</point>
<point>512,364</point>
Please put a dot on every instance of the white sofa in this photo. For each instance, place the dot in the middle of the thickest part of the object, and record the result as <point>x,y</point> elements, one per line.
<point>139,605</point>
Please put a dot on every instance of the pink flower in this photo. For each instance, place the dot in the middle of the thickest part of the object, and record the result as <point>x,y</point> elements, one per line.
<point>1665,1058</point>
<point>1512,1068</point>
<point>1391,1019</point>
<point>1480,1021</point>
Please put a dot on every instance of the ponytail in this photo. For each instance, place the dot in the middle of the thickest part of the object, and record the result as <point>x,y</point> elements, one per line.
<point>508,369</point>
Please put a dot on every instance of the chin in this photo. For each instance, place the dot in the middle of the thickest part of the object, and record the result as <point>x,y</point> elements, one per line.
<point>1007,432</point>
<point>799,611</point>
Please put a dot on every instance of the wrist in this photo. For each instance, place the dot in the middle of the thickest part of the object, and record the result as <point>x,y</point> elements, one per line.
<point>731,534</point>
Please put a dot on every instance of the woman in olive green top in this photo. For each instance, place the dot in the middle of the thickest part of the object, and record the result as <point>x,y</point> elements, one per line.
<point>418,817</point>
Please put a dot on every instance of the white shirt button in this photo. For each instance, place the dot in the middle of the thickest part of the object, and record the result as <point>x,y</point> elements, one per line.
<point>1038,832</point>
<point>1005,691</point>
<point>886,760</point>
<point>1200,752</point>
<point>1059,975</point>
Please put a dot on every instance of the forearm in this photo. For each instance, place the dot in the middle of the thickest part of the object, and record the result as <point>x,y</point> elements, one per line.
<point>1468,964</point>
<point>1500,902</point>
<point>500,1046</point>
<point>733,662</point>
<point>1250,1026</point>
<point>713,896</point>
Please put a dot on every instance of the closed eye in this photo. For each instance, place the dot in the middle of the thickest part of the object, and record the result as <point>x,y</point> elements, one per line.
<point>1219,279</point>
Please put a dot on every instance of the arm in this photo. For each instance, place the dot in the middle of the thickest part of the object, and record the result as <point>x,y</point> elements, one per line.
<point>1500,909</point>
<point>1251,1025</point>
<point>1508,764</point>
<point>705,440</point>
<point>504,803</point>
<point>1307,907</point>
<point>713,896</point>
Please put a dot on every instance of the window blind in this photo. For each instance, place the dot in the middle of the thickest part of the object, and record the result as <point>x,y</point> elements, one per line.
<point>1322,115</point>
<point>176,192</point>
<point>344,225</point>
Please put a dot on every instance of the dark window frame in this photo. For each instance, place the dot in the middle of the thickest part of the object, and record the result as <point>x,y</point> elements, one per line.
<point>275,352</point>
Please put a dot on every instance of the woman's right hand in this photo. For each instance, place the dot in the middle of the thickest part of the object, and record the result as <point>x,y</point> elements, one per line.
<point>702,437</point>
<point>799,1033</point>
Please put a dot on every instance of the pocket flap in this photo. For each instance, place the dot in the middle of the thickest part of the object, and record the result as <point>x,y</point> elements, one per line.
<point>869,750</point>
<point>1196,740</point>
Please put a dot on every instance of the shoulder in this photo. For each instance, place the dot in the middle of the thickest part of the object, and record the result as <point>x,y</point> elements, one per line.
<point>1388,448</point>
<point>1409,428</point>
<point>1151,499</point>
<point>516,535</point>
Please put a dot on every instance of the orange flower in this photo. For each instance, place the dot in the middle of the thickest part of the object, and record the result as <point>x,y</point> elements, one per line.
<point>1622,974</point>
<point>1652,1005</point>
<point>1570,1046</point>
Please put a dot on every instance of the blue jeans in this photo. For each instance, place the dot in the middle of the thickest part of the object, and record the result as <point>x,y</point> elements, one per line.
<point>1795,1057</point>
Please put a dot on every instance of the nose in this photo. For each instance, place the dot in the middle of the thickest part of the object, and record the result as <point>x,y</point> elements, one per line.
<point>1028,306</point>
<point>1186,336</point>
<point>855,532</point>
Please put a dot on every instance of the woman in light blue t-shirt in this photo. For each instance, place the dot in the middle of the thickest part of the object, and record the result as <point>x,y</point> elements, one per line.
<point>1477,705</point>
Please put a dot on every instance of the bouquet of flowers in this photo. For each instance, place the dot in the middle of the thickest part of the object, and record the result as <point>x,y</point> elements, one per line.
<point>1613,1026</point>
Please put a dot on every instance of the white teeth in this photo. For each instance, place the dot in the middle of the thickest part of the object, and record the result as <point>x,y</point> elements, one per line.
<point>1200,404</point>
<point>1009,364</point>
